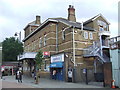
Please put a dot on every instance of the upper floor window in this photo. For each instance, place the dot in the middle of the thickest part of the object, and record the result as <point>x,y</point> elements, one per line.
<point>40,45</point>
<point>45,40</point>
<point>91,35</point>
<point>101,28</point>
<point>86,35</point>
<point>63,34</point>
<point>32,45</point>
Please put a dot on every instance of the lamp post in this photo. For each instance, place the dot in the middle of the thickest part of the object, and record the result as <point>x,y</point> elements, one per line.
<point>19,35</point>
<point>19,40</point>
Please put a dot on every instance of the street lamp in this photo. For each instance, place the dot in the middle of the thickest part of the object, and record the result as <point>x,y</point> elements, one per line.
<point>19,35</point>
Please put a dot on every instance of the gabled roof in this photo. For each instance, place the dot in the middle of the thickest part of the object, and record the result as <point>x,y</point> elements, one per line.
<point>32,24</point>
<point>71,23</point>
<point>62,20</point>
<point>94,18</point>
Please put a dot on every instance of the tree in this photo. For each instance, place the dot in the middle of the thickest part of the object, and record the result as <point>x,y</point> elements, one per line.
<point>39,59</point>
<point>39,62</point>
<point>11,47</point>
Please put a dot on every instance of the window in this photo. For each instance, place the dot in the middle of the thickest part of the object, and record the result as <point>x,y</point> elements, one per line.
<point>28,48</point>
<point>32,45</point>
<point>45,40</point>
<point>63,34</point>
<point>91,35</point>
<point>86,35</point>
<point>40,45</point>
<point>101,28</point>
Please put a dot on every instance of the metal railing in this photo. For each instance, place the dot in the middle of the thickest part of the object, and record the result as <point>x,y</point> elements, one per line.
<point>114,39</point>
<point>95,50</point>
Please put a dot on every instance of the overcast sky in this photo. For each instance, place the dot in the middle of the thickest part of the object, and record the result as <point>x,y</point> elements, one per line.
<point>16,14</point>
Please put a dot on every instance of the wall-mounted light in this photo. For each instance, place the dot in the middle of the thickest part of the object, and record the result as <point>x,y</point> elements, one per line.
<point>75,31</point>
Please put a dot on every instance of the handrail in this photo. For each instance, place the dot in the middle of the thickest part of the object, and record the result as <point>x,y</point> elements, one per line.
<point>95,50</point>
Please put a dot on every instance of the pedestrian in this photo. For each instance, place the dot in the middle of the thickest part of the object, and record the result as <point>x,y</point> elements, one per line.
<point>16,74</point>
<point>54,74</point>
<point>33,73</point>
<point>20,76</point>
<point>70,75</point>
<point>35,77</point>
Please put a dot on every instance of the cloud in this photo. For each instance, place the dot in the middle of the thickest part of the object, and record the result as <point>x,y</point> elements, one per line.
<point>16,14</point>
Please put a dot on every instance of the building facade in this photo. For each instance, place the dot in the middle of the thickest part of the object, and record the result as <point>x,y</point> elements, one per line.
<point>71,44</point>
<point>114,57</point>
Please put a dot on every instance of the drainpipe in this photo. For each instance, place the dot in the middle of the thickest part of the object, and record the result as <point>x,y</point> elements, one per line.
<point>74,47</point>
<point>101,45</point>
<point>56,37</point>
<point>74,56</point>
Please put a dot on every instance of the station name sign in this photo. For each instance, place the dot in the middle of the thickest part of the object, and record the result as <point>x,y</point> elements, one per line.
<point>57,58</point>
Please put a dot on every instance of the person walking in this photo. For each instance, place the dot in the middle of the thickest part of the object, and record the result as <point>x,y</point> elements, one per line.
<point>35,77</point>
<point>20,76</point>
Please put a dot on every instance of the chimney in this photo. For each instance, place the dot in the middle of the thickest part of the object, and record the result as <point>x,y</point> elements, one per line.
<point>71,13</point>
<point>37,20</point>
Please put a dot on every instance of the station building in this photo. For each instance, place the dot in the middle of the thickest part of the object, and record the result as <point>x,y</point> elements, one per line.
<point>72,45</point>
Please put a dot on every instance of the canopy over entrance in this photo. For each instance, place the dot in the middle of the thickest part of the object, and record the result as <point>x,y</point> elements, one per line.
<point>27,55</point>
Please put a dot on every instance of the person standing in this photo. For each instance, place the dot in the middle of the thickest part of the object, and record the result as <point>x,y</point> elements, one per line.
<point>70,75</point>
<point>54,74</point>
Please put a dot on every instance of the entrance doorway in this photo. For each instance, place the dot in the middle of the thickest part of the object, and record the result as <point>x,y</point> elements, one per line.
<point>59,73</point>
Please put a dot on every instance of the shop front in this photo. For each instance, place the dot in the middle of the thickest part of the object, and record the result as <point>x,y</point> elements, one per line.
<point>57,67</point>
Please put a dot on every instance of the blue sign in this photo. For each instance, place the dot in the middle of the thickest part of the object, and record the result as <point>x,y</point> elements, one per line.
<point>56,65</point>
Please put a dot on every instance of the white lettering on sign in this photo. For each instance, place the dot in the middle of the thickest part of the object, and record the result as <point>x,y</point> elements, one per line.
<point>53,65</point>
<point>57,58</point>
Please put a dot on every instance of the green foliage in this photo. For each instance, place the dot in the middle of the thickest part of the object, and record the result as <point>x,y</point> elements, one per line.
<point>11,48</point>
<point>39,59</point>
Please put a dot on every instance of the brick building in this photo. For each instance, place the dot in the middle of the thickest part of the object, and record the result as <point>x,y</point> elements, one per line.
<point>72,45</point>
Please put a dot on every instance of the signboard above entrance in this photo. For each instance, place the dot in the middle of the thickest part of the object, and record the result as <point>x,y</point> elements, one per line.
<point>57,58</point>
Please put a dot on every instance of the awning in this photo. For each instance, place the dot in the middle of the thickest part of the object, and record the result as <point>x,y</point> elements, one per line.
<point>56,65</point>
<point>27,55</point>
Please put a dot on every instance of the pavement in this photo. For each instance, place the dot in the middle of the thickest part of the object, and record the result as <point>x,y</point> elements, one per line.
<point>28,82</point>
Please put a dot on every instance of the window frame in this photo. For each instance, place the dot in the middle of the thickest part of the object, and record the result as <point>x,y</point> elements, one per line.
<point>90,35</point>
<point>40,42</point>
<point>85,34</point>
<point>63,34</point>
<point>100,27</point>
<point>45,40</point>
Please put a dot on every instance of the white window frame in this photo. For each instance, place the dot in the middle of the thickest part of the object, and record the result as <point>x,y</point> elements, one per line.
<point>28,47</point>
<point>101,29</point>
<point>63,34</point>
<point>32,45</point>
<point>45,40</point>
<point>85,34</point>
<point>40,44</point>
<point>91,35</point>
